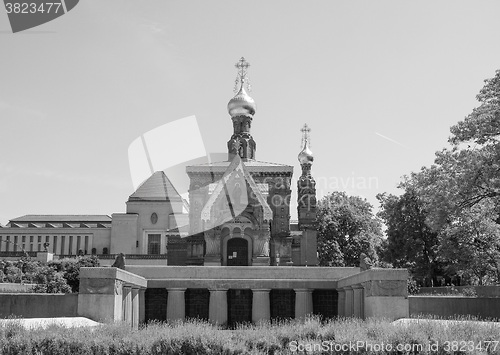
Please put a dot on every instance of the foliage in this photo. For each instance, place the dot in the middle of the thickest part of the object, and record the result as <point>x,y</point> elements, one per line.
<point>457,202</point>
<point>267,338</point>
<point>469,172</point>
<point>471,244</point>
<point>70,268</point>
<point>413,287</point>
<point>346,228</point>
<point>411,243</point>
<point>58,276</point>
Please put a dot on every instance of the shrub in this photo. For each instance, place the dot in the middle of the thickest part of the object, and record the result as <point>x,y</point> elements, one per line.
<point>413,287</point>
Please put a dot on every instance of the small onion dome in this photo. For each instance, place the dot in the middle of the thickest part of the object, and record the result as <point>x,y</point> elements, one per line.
<point>241,104</point>
<point>306,156</point>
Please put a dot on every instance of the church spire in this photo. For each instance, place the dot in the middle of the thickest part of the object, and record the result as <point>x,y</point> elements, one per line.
<point>241,108</point>
<point>306,185</point>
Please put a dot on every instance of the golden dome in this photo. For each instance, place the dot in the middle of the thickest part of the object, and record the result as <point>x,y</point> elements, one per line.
<point>241,104</point>
<point>306,155</point>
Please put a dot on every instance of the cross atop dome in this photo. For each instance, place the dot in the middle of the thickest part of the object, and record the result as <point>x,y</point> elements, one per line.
<point>305,134</point>
<point>241,77</point>
<point>305,156</point>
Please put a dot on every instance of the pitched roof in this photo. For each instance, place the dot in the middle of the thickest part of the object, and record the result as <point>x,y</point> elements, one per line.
<point>33,218</point>
<point>156,188</point>
<point>233,173</point>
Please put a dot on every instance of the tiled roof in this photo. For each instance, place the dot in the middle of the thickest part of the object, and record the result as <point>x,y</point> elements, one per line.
<point>32,218</point>
<point>251,165</point>
<point>156,188</point>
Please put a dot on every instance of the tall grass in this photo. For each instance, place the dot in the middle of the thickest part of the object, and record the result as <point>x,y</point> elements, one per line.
<point>196,337</point>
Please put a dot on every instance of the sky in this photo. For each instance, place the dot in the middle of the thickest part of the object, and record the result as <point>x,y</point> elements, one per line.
<point>379,83</point>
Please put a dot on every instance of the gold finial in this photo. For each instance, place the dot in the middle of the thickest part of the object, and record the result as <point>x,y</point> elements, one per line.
<point>305,155</point>
<point>241,77</point>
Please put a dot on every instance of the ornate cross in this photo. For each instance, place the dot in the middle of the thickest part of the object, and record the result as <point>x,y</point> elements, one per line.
<point>305,133</point>
<point>241,77</point>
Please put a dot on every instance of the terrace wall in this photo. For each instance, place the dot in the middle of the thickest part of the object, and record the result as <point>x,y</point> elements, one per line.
<point>446,307</point>
<point>38,305</point>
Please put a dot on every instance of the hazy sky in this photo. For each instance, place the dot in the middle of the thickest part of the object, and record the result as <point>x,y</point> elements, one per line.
<point>379,83</point>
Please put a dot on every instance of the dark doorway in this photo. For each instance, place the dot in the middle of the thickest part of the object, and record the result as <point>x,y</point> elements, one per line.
<point>282,304</point>
<point>325,303</point>
<point>239,306</point>
<point>237,252</point>
<point>156,304</point>
<point>197,303</point>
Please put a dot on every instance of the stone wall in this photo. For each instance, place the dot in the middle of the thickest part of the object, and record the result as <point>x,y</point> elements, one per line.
<point>38,305</point>
<point>442,306</point>
<point>481,291</point>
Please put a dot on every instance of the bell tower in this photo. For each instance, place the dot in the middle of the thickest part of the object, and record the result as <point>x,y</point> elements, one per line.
<point>241,108</point>
<point>306,186</point>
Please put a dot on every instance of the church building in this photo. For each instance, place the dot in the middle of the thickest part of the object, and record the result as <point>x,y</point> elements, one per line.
<point>238,212</point>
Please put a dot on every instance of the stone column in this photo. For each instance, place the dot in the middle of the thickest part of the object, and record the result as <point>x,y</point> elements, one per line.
<point>127,304</point>
<point>358,300</point>
<point>341,303</point>
<point>261,306</point>
<point>176,305</point>
<point>303,303</point>
<point>217,310</point>
<point>349,298</point>
<point>135,307</point>
<point>142,305</point>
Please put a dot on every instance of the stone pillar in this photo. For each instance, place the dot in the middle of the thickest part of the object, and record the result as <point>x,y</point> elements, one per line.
<point>142,305</point>
<point>386,298</point>
<point>261,306</point>
<point>101,299</point>
<point>341,303</point>
<point>349,298</point>
<point>176,305</point>
<point>127,304</point>
<point>217,309</point>
<point>303,303</point>
<point>135,307</point>
<point>358,310</point>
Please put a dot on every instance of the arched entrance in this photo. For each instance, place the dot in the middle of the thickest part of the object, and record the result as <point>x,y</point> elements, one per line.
<point>237,252</point>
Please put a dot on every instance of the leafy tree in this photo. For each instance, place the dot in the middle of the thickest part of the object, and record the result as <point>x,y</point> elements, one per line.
<point>469,172</point>
<point>411,243</point>
<point>346,228</point>
<point>461,190</point>
<point>471,242</point>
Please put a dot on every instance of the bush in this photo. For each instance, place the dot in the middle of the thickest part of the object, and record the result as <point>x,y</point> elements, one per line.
<point>413,287</point>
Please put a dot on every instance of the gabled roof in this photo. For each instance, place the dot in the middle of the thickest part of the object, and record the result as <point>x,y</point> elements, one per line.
<point>156,188</point>
<point>236,172</point>
<point>31,218</point>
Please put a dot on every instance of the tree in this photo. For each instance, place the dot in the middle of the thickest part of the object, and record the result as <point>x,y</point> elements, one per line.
<point>411,243</point>
<point>469,172</point>
<point>471,243</point>
<point>346,228</point>
<point>461,190</point>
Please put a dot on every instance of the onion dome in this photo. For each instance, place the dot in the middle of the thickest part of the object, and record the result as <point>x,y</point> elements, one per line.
<point>306,155</point>
<point>241,104</point>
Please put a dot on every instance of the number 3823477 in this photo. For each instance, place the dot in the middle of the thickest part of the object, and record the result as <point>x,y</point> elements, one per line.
<point>31,8</point>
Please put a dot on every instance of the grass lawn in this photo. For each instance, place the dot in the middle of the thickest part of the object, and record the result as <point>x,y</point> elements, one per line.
<point>341,336</point>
